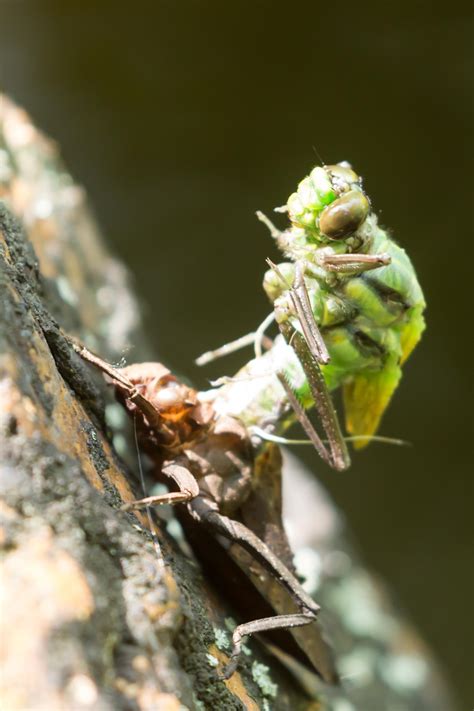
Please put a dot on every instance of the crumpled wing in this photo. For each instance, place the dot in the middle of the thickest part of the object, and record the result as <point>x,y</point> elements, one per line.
<point>366,398</point>
<point>412,331</point>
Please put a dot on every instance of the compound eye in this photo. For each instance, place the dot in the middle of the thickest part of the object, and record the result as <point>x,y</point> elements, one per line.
<point>342,176</point>
<point>345,215</point>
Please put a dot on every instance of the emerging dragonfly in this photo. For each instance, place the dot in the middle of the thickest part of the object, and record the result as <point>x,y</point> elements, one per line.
<point>350,306</point>
<point>350,311</point>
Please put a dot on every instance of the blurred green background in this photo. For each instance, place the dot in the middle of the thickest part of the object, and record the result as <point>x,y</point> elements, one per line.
<point>183,118</point>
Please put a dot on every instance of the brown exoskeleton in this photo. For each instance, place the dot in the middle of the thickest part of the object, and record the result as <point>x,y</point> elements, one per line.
<point>230,488</point>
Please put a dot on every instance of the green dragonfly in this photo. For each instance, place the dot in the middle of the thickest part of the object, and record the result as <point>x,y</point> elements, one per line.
<point>350,311</point>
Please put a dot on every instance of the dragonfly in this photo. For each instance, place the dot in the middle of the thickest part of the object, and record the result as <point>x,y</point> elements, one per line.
<point>350,311</point>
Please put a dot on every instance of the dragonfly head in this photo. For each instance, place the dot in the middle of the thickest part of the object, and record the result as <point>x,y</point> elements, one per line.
<point>329,204</point>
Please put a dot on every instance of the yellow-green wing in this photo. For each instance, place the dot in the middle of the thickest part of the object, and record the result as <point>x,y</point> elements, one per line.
<point>412,331</point>
<point>366,398</point>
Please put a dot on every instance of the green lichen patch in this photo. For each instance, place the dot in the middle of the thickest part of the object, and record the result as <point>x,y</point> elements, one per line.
<point>261,675</point>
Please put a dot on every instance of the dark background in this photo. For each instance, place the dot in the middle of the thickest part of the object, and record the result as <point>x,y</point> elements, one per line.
<point>182,118</point>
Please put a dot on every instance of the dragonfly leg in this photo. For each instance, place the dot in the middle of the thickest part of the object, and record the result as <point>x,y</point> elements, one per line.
<point>260,340</point>
<point>336,453</point>
<point>255,338</point>
<point>120,380</point>
<point>264,624</point>
<point>302,305</point>
<point>305,422</point>
<point>353,263</point>
<point>227,348</point>
<point>187,485</point>
<point>312,352</point>
<point>303,311</point>
<point>206,512</point>
<point>274,231</point>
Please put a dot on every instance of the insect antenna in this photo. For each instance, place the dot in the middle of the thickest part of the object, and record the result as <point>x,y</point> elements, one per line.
<point>227,348</point>
<point>316,152</point>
